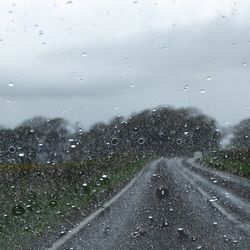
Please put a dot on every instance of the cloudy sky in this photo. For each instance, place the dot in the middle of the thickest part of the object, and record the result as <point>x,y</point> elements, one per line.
<point>88,60</point>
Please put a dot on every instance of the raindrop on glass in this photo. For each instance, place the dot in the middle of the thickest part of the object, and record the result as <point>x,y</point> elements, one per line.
<point>202,91</point>
<point>179,141</point>
<point>164,224</point>
<point>12,149</point>
<point>150,217</point>
<point>114,141</point>
<point>18,210</point>
<point>141,141</point>
<point>209,78</point>
<point>11,84</point>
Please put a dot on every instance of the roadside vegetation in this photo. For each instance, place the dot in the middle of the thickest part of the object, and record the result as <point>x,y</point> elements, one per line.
<point>236,157</point>
<point>35,199</point>
<point>235,162</point>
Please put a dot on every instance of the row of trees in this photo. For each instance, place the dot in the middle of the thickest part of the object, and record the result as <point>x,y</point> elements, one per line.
<point>241,138</point>
<point>164,131</point>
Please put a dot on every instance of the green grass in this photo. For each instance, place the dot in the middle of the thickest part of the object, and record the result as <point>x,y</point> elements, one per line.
<point>229,165</point>
<point>31,206</point>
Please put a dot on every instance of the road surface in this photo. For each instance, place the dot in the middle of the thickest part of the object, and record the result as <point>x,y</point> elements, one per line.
<point>172,204</point>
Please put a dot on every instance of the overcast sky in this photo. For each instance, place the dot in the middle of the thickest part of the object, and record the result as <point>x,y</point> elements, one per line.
<point>88,60</point>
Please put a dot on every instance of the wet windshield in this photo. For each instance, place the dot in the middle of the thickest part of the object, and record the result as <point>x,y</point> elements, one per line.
<point>124,124</point>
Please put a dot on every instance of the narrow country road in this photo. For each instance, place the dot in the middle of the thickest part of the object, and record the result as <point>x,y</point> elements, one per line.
<point>173,204</point>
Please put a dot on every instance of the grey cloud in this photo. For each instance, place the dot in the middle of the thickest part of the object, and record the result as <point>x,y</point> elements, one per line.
<point>217,49</point>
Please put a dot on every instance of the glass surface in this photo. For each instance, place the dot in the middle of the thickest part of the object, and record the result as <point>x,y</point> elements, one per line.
<point>96,94</point>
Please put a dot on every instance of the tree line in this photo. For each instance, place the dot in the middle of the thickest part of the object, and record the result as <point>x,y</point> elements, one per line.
<point>163,131</point>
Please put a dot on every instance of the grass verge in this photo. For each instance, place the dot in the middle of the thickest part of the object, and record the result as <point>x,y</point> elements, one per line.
<point>229,165</point>
<point>36,199</point>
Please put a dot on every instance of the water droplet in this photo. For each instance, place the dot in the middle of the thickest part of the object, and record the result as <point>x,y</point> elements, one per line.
<point>21,154</point>
<point>135,2</point>
<point>11,84</point>
<point>161,193</point>
<point>84,54</point>
<point>12,149</point>
<point>180,231</point>
<point>18,210</point>
<point>114,141</point>
<point>179,141</point>
<point>186,133</point>
<point>69,2</point>
<point>235,241</point>
<point>150,217</point>
<point>41,33</point>
<point>164,224</point>
<point>194,238</point>
<point>244,64</point>
<point>202,91</point>
<point>62,233</point>
<point>132,85</point>
<point>225,237</point>
<point>141,141</point>
<point>209,78</point>
<point>73,146</point>
<point>186,87</point>
<point>213,199</point>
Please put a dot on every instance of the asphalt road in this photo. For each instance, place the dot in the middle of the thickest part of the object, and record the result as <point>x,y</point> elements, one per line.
<point>173,204</point>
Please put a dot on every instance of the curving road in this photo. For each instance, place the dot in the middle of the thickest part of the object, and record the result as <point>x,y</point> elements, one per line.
<point>172,204</point>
